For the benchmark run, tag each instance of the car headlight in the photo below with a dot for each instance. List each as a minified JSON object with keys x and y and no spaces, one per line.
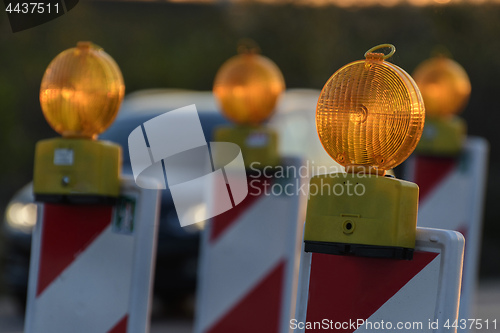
{"x":21,"y":216}
{"x":196,"y":213}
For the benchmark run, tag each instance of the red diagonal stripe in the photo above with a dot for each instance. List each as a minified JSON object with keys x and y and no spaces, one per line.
{"x":259,"y":310}
{"x":67,"y":231}
{"x":344,"y":288}
{"x":256,"y":188}
{"x":121,"y":326}
{"x":430,"y":171}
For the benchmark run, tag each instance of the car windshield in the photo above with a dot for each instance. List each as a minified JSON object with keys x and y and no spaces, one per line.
{"x":122,"y":127}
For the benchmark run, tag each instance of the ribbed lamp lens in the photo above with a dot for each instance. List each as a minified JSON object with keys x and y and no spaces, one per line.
{"x":445,"y":86}
{"x":370,"y":114}
{"x":247,"y":87}
{"x":81,"y":91}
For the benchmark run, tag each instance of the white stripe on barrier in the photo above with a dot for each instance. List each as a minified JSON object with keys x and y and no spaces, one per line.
{"x":456,"y":203}
{"x":402,"y":302}
{"x":82,"y":307}
{"x":252,"y":263}
{"x":440,"y":206}
{"x":431,"y":294}
{"x":249,"y":254}
{"x":107,"y":286}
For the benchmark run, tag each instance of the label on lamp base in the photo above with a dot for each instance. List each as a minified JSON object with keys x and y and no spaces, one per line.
{"x":63,"y":156}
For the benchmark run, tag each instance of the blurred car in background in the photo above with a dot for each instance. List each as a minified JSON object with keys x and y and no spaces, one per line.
{"x":177,"y":253}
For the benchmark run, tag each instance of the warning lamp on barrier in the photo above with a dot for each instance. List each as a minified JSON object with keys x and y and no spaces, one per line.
{"x":80,"y":95}
{"x":369,"y":118}
{"x":247,"y":87}
{"x":445,"y":88}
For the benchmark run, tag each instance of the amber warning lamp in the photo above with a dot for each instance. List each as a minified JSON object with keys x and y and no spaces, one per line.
{"x":369,"y":118}
{"x":80,"y":95}
{"x":247,"y":88}
{"x":445,"y":88}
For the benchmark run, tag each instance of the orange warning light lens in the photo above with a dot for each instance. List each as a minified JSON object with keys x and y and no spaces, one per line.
{"x":247,"y":87}
{"x":444,"y":84}
{"x":370,"y":114}
{"x":81,"y":91}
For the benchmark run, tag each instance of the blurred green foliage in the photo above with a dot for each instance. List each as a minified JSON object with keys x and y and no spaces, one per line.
{"x":161,"y":44}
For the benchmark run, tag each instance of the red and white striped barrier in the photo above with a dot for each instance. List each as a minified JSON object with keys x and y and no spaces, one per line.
{"x":91,"y":265}
{"x":249,"y":259}
{"x":452,"y":193}
{"x":357,"y":294}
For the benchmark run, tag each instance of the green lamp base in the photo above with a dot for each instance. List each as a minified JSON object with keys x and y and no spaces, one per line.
{"x":76,"y":171}
{"x":442,"y":137}
{"x":361,"y":214}
{"x":259,"y":144}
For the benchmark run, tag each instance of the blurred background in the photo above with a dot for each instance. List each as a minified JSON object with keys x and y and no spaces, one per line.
{"x":181,"y":44}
